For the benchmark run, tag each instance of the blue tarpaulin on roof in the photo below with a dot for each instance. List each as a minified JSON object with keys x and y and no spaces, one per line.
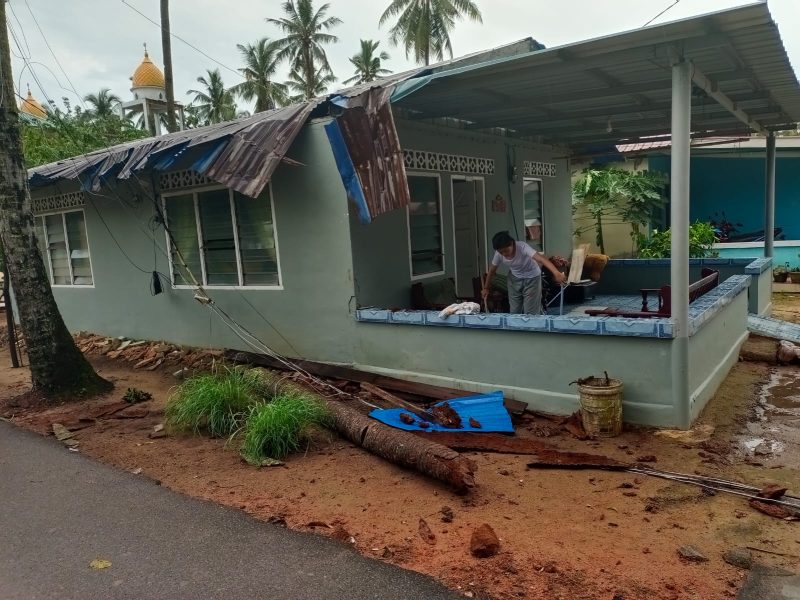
{"x":486,"y":409}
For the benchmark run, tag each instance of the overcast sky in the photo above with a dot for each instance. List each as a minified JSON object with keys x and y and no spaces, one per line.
{"x":99,"y":42}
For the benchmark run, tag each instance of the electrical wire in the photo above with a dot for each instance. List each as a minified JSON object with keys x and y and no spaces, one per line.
{"x":661,"y":13}
{"x":200,"y":293}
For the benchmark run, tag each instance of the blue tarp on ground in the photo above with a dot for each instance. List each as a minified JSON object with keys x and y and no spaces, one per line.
{"x":487,"y":409}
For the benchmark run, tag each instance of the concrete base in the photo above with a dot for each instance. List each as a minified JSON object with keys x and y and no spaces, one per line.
{"x":786,"y":288}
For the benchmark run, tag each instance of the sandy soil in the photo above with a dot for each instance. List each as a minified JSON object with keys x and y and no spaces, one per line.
{"x":786,"y":307}
{"x":565,"y":534}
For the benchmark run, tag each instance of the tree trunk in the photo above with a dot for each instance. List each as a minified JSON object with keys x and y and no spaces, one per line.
{"x":166,"y":48}
{"x":600,"y":240}
{"x":10,"y":333}
{"x":403,"y":448}
{"x":57,"y":366}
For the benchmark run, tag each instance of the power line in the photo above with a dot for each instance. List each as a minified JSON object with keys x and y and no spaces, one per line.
{"x":661,"y":13}
{"x":179,"y":38}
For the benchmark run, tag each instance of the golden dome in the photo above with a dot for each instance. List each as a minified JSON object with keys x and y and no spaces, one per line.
{"x":32,"y":107}
{"x":147,"y":74}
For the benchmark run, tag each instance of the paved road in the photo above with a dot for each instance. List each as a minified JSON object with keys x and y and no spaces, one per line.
{"x":60,"y":510}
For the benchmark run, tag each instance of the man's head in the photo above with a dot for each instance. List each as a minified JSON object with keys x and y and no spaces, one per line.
{"x":504,"y":244}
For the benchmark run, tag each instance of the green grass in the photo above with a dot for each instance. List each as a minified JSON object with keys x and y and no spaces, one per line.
{"x":218,"y":402}
{"x":277,"y":428}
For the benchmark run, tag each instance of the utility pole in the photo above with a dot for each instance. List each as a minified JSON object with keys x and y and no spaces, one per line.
{"x":57,"y":366}
{"x":166,"y":49}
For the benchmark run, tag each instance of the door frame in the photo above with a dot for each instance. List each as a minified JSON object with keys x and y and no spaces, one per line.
{"x":480,"y":224}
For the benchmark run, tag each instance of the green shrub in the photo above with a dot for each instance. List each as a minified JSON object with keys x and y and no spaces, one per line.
{"x":277,"y":428}
{"x":701,"y":242}
{"x":217,"y":402}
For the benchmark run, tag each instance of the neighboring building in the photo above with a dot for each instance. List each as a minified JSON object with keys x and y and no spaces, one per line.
{"x":31,"y":110}
{"x":149,"y":96}
{"x":304,"y":228}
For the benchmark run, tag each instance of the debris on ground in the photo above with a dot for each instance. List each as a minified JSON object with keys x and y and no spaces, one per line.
{"x":788,"y":353}
{"x":573,"y":424}
{"x":407,"y":418}
{"x":446,"y":416}
{"x":135,"y":395}
{"x":64,"y":435}
{"x":484,"y":542}
{"x":100,"y":563}
{"x":696,"y":435}
{"x":447,"y":514}
{"x":473,"y":422}
{"x":741,"y":558}
{"x":772,"y":491}
{"x":260,"y":462}
{"x":425,"y":532}
{"x":341,"y":534}
{"x":647,"y":458}
{"x":692,"y":554}
{"x":774,"y":510}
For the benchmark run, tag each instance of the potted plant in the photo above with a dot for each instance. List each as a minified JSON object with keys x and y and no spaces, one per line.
{"x":780,"y":274}
{"x":794,"y":274}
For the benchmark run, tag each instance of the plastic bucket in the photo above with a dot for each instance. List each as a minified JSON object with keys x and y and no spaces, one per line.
{"x":601,"y":406}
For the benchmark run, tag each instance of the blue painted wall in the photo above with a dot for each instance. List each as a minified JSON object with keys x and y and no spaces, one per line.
{"x":736,"y":185}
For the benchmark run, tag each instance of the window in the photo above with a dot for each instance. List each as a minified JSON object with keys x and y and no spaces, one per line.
{"x":425,"y":225}
{"x":222,"y":238}
{"x":64,"y":246}
{"x":534,"y":222}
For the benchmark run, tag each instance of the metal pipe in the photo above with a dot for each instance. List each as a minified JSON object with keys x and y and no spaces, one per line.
{"x":769,"y":199}
{"x":679,"y":251}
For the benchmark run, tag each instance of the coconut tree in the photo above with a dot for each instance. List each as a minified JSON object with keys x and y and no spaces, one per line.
{"x":214,"y":103}
{"x":423,"y":26}
{"x":103,"y":102}
{"x":303,"y":43}
{"x":368,"y":66}
{"x":303,"y":89}
{"x":260,"y":64}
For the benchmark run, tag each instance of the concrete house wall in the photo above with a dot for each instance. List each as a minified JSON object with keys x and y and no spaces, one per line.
{"x":309,"y":317}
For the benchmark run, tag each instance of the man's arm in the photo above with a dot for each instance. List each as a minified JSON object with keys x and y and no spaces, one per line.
{"x":488,"y":281}
{"x":560,"y":278}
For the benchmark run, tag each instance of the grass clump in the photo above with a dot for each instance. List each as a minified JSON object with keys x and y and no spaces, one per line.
{"x":216,"y":402}
{"x":279,"y":427}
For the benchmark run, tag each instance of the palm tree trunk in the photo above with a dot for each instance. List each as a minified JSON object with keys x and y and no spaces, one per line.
{"x":166,"y":47}
{"x":57,"y":366}
{"x":310,"y":72}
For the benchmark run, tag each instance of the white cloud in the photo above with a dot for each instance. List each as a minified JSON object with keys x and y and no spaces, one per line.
{"x":99,"y":43}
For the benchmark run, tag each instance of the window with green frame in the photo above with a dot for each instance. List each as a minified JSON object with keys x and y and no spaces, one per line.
{"x":425,"y":225}
{"x":220,"y":237}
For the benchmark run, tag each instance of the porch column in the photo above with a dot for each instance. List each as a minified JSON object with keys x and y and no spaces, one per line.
{"x":679,"y":223}
{"x":146,"y":115}
{"x":769,"y":199}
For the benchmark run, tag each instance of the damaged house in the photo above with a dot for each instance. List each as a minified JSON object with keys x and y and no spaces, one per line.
{"x":305,"y":228}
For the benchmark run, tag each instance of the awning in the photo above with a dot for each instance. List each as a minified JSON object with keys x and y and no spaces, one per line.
{"x":617,"y":88}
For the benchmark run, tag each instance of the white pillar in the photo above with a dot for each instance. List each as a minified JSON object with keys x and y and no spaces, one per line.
{"x":769,"y":199}
{"x":679,"y":223}
{"x":183,"y":120}
{"x":157,"y":123}
{"x":146,"y":115}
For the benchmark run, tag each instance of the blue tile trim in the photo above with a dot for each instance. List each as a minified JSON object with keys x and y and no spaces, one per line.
{"x":492,"y":321}
{"x":433,"y":318}
{"x":373,"y":315}
{"x":758,"y":266}
{"x":704,"y":308}
{"x":661,"y":262}
{"x":409,"y":317}
{"x":527,"y":322}
{"x":631,"y":327}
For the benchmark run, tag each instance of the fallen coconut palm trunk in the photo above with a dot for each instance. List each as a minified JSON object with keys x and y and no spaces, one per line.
{"x":403,"y":448}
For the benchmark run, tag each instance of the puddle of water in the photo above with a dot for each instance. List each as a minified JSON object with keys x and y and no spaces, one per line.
{"x":774,"y":427}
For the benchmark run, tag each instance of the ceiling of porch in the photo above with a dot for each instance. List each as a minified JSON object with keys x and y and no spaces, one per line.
{"x":618,"y":88}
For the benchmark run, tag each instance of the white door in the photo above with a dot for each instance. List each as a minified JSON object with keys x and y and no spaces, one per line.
{"x":468,"y":233}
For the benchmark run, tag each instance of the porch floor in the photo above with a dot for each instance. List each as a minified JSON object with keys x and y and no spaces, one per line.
{"x":617,"y":302}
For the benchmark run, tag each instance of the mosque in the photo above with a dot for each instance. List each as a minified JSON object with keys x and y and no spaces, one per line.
{"x":149,"y":99}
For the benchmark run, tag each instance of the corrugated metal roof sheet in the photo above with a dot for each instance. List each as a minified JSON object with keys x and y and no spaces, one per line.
{"x":618,"y":88}
{"x":252,"y":149}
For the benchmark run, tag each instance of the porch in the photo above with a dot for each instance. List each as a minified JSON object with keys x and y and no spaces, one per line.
{"x":679,"y":80}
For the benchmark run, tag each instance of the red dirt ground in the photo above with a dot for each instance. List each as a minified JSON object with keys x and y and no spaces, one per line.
{"x":564,"y":534}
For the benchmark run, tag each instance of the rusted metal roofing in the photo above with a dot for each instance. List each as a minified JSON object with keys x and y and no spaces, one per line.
{"x":240,"y":154}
